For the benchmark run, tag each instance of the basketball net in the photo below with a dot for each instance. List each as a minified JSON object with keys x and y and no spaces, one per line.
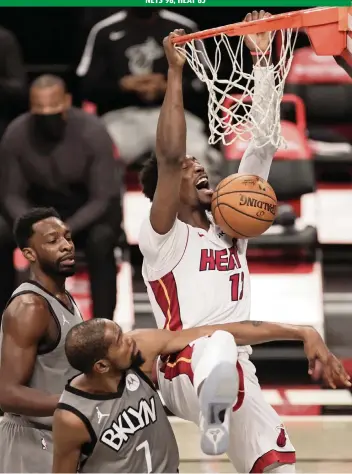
{"x":255,"y":110}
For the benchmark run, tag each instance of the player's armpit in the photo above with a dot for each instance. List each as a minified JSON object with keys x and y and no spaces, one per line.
{"x":69,"y":435}
{"x":163,"y":252}
{"x":25,"y":323}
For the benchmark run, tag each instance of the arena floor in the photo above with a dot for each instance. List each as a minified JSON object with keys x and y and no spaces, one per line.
{"x":323,"y":444}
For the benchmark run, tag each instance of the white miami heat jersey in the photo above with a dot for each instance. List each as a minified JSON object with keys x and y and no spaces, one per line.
{"x":195,"y":277}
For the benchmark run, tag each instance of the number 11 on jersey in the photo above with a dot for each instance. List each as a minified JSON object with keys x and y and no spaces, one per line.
{"x":237,"y":284}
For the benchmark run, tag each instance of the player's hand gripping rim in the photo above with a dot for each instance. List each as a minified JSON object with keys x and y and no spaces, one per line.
{"x":259,"y":41}
{"x":174,"y":53}
{"x":333,"y":371}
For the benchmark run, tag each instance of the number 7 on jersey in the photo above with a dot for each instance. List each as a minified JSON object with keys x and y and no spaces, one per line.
{"x":237,"y":284}
{"x":148,"y":458}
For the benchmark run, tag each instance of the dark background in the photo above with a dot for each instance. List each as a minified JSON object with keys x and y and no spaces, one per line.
{"x":52,"y":38}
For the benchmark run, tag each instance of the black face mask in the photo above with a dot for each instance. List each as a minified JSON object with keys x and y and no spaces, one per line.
{"x":51,"y":126}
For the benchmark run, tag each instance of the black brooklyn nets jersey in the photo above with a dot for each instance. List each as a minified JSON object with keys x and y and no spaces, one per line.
{"x":129,"y":429}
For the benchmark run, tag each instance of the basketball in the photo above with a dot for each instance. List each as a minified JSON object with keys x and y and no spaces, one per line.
{"x":244,"y":205}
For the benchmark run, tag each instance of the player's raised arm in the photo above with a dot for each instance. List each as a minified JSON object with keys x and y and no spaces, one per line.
{"x":69,"y":435}
{"x":170,"y":143}
{"x":25,"y":324}
{"x":257,"y":160}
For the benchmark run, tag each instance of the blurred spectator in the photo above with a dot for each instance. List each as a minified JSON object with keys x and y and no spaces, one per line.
{"x":7,"y":270}
{"x":57,"y":155}
{"x":123,"y":71}
{"x":13,"y":80}
{"x":13,"y":98}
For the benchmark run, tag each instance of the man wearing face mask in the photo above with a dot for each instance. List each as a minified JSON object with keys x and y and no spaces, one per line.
{"x":57,"y":155}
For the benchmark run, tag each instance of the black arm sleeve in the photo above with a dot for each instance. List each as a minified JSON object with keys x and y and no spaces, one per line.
{"x":104,"y":179}
{"x":13,"y":87}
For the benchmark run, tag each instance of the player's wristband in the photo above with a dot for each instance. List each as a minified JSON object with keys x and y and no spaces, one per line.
{"x":255,"y":53}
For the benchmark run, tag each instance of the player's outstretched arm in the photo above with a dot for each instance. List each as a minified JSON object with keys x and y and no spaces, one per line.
{"x":257,"y":159}
{"x":170,"y":143}
{"x":25,"y":323}
{"x":155,"y":342}
{"x":159,"y":341}
{"x":69,"y":435}
{"x":258,"y":332}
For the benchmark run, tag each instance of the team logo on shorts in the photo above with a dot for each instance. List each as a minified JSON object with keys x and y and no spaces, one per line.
{"x":282,"y":438}
{"x":44,"y":446}
{"x":132,"y":382}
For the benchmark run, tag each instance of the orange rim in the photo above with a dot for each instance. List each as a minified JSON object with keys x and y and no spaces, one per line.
{"x":313,"y":17}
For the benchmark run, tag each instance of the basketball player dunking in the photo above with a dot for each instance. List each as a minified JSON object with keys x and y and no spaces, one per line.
{"x":34,"y":367}
{"x":196,"y":275}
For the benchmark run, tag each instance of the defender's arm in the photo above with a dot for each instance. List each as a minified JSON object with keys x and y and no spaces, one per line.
{"x":160,"y":341}
{"x":154,"y":342}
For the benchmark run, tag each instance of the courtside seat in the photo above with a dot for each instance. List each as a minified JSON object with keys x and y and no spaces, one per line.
{"x":326,"y":90}
{"x":292,"y":177}
{"x":287,"y":237}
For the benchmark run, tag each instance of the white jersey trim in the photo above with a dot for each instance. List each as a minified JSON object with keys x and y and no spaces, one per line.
{"x":177,"y":18}
{"x":86,"y":59}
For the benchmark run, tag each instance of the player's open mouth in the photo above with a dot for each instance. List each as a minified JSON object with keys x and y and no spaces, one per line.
{"x":203,"y":184}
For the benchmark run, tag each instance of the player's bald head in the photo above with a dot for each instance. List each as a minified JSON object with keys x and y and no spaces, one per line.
{"x":88,"y":342}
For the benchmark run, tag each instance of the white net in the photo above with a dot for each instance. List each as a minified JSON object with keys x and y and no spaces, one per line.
{"x":255,"y":110}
